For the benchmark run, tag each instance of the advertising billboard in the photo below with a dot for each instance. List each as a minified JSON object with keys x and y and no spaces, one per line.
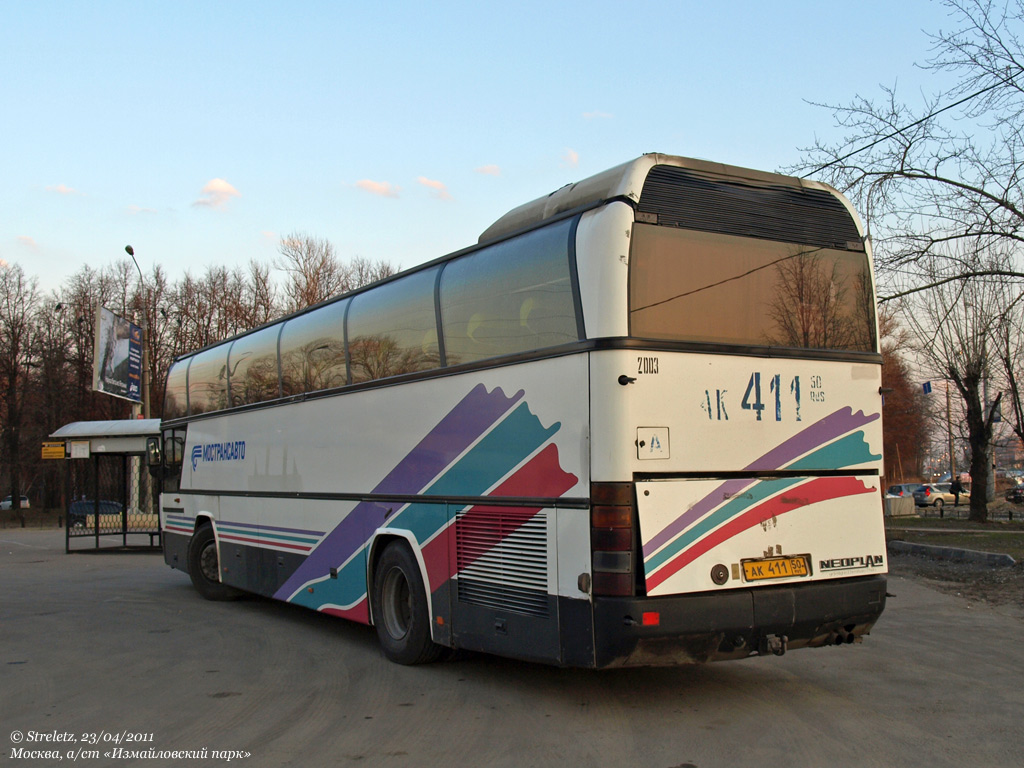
{"x":117,"y":357}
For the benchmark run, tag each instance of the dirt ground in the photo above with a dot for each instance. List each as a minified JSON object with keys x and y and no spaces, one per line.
{"x":976,"y":583}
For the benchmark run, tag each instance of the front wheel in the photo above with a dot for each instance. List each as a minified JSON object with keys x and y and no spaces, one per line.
{"x":204,"y":566}
{"x":400,"y":610}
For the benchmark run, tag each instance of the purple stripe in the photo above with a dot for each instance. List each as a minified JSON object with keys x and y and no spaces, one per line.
{"x":832,"y":426}
{"x":819,"y":433}
{"x":473,"y":415}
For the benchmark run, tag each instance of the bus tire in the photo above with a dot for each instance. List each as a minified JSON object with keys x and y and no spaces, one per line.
{"x":400,"y":611}
{"x":204,"y":566}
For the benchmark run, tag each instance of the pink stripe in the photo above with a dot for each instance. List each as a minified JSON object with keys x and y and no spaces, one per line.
{"x":231,"y":537}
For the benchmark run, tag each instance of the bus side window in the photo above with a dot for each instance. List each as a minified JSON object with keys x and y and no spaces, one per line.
{"x":392,"y":329}
{"x":511,"y":297}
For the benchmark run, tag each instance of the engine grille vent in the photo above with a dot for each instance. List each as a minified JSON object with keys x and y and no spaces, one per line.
{"x":692,"y":200}
{"x":502,"y":557}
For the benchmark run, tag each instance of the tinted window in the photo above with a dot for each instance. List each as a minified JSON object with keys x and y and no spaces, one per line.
{"x":313,"y":350}
{"x":512,"y":297}
{"x":252,"y":365}
{"x":392,"y":329}
{"x":208,"y":381}
{"x":176,"y":394}
{"x":699,"y":286}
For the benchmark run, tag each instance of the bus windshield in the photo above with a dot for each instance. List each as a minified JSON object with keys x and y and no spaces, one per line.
{"x":693,"y":286}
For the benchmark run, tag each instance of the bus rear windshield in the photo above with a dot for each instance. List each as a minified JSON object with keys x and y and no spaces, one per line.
{"x":703,"y":287}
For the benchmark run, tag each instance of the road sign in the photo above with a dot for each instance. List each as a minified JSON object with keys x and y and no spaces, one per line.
{"x":53,"y":450}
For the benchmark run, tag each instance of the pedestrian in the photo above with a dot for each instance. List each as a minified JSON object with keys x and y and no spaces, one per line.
{"x":956,"y":489}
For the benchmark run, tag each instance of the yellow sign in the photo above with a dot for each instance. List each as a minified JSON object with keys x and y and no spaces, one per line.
{"x":775,"y":568}
{"x":53,"y":450}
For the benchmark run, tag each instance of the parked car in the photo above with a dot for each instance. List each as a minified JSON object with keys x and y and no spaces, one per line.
{"x":80,"y":511}
{"x":938,"y":495}
{"x":1016,"y":494}
{"x":8,"y":504}
{"x":904,"y":490}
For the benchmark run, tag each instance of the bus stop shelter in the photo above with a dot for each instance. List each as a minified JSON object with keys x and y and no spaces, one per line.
{"x":111,"y":497}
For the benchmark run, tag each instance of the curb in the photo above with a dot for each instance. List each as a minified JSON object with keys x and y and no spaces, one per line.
{"x":991,"y":559}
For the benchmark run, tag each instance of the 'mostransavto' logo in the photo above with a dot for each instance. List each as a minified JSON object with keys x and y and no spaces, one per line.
{"x":231,"y":451}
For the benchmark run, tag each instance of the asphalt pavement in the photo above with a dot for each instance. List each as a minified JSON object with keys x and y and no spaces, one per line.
{"x":117,"y":652}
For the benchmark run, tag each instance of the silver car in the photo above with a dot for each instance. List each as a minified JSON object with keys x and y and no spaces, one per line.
{"x":938,"y":495}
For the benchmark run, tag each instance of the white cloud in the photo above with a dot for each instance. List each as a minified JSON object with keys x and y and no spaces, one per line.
{"x":269,"y":236}
{"x":4,"y":264}
{"x":440,"y":190}
{"x":63,"y":189}
{"x":571,"y":158}
{"x":489,"y":170}
{"x":28,"y":242}
{"x":137,"y":209}
{"x":216,"y":193}
{"x":597,"y":115}
{"x":379,"y":188}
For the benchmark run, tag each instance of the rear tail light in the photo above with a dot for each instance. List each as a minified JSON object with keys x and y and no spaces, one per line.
{"x":613,"y":539}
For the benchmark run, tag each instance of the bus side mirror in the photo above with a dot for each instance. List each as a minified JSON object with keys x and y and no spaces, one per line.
{"x":153,"y":457}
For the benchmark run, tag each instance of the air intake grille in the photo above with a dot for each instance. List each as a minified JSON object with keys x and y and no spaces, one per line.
{"x":503,"y":559}
{"x":692,"y":200}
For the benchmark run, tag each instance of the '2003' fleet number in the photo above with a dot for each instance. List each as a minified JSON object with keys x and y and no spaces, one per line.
{"x":646,"y":366}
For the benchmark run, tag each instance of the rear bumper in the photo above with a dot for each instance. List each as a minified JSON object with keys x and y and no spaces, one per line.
{"x":731,"y":624}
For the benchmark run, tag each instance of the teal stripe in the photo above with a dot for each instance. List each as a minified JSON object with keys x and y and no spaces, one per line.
{"x":846,"y":452}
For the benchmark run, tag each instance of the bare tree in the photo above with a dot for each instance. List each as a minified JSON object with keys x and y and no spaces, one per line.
{"x":954,"y":326}
{"x":947,"y":173}
{"x":314,"y":273}
{"x":941,"y":189}
{"x":362,"y":271}
{"x":19,"y":299}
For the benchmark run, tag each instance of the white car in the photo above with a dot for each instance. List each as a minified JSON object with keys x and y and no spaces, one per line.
{"x":6,"y":503}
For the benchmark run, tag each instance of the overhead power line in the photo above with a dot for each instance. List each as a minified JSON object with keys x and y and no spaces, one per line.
{"x":898,"y":131}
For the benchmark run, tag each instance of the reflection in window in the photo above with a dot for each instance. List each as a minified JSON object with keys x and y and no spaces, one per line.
{"x":176,"y":393}
{"x":252,"y":366}
{"x":313,"y":351}
{"x":511,"y":297}
{"x":698,"y":286}
{"x":392,"y":329}
{"x":208,"y":381}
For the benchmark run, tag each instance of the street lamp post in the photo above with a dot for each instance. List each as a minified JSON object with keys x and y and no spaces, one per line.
{"x":145,"y":336}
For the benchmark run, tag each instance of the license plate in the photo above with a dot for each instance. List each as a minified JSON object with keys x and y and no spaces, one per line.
{"x":776,"y":568}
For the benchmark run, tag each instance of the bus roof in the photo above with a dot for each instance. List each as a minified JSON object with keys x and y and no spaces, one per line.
{"x":624,"y":182}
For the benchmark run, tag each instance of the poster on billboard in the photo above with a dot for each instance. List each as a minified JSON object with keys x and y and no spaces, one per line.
{"x":117,"y":357}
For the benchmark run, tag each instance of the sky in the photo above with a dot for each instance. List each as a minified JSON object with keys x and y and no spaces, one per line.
{"x":203,"y":133}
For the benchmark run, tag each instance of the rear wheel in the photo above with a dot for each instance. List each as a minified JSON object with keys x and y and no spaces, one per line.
{"x":204,"y":566}
{"x":400,"y":610}
{"x":939,"y":503}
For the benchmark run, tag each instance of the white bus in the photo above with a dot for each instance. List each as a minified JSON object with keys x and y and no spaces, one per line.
{"x":637,"y":424}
